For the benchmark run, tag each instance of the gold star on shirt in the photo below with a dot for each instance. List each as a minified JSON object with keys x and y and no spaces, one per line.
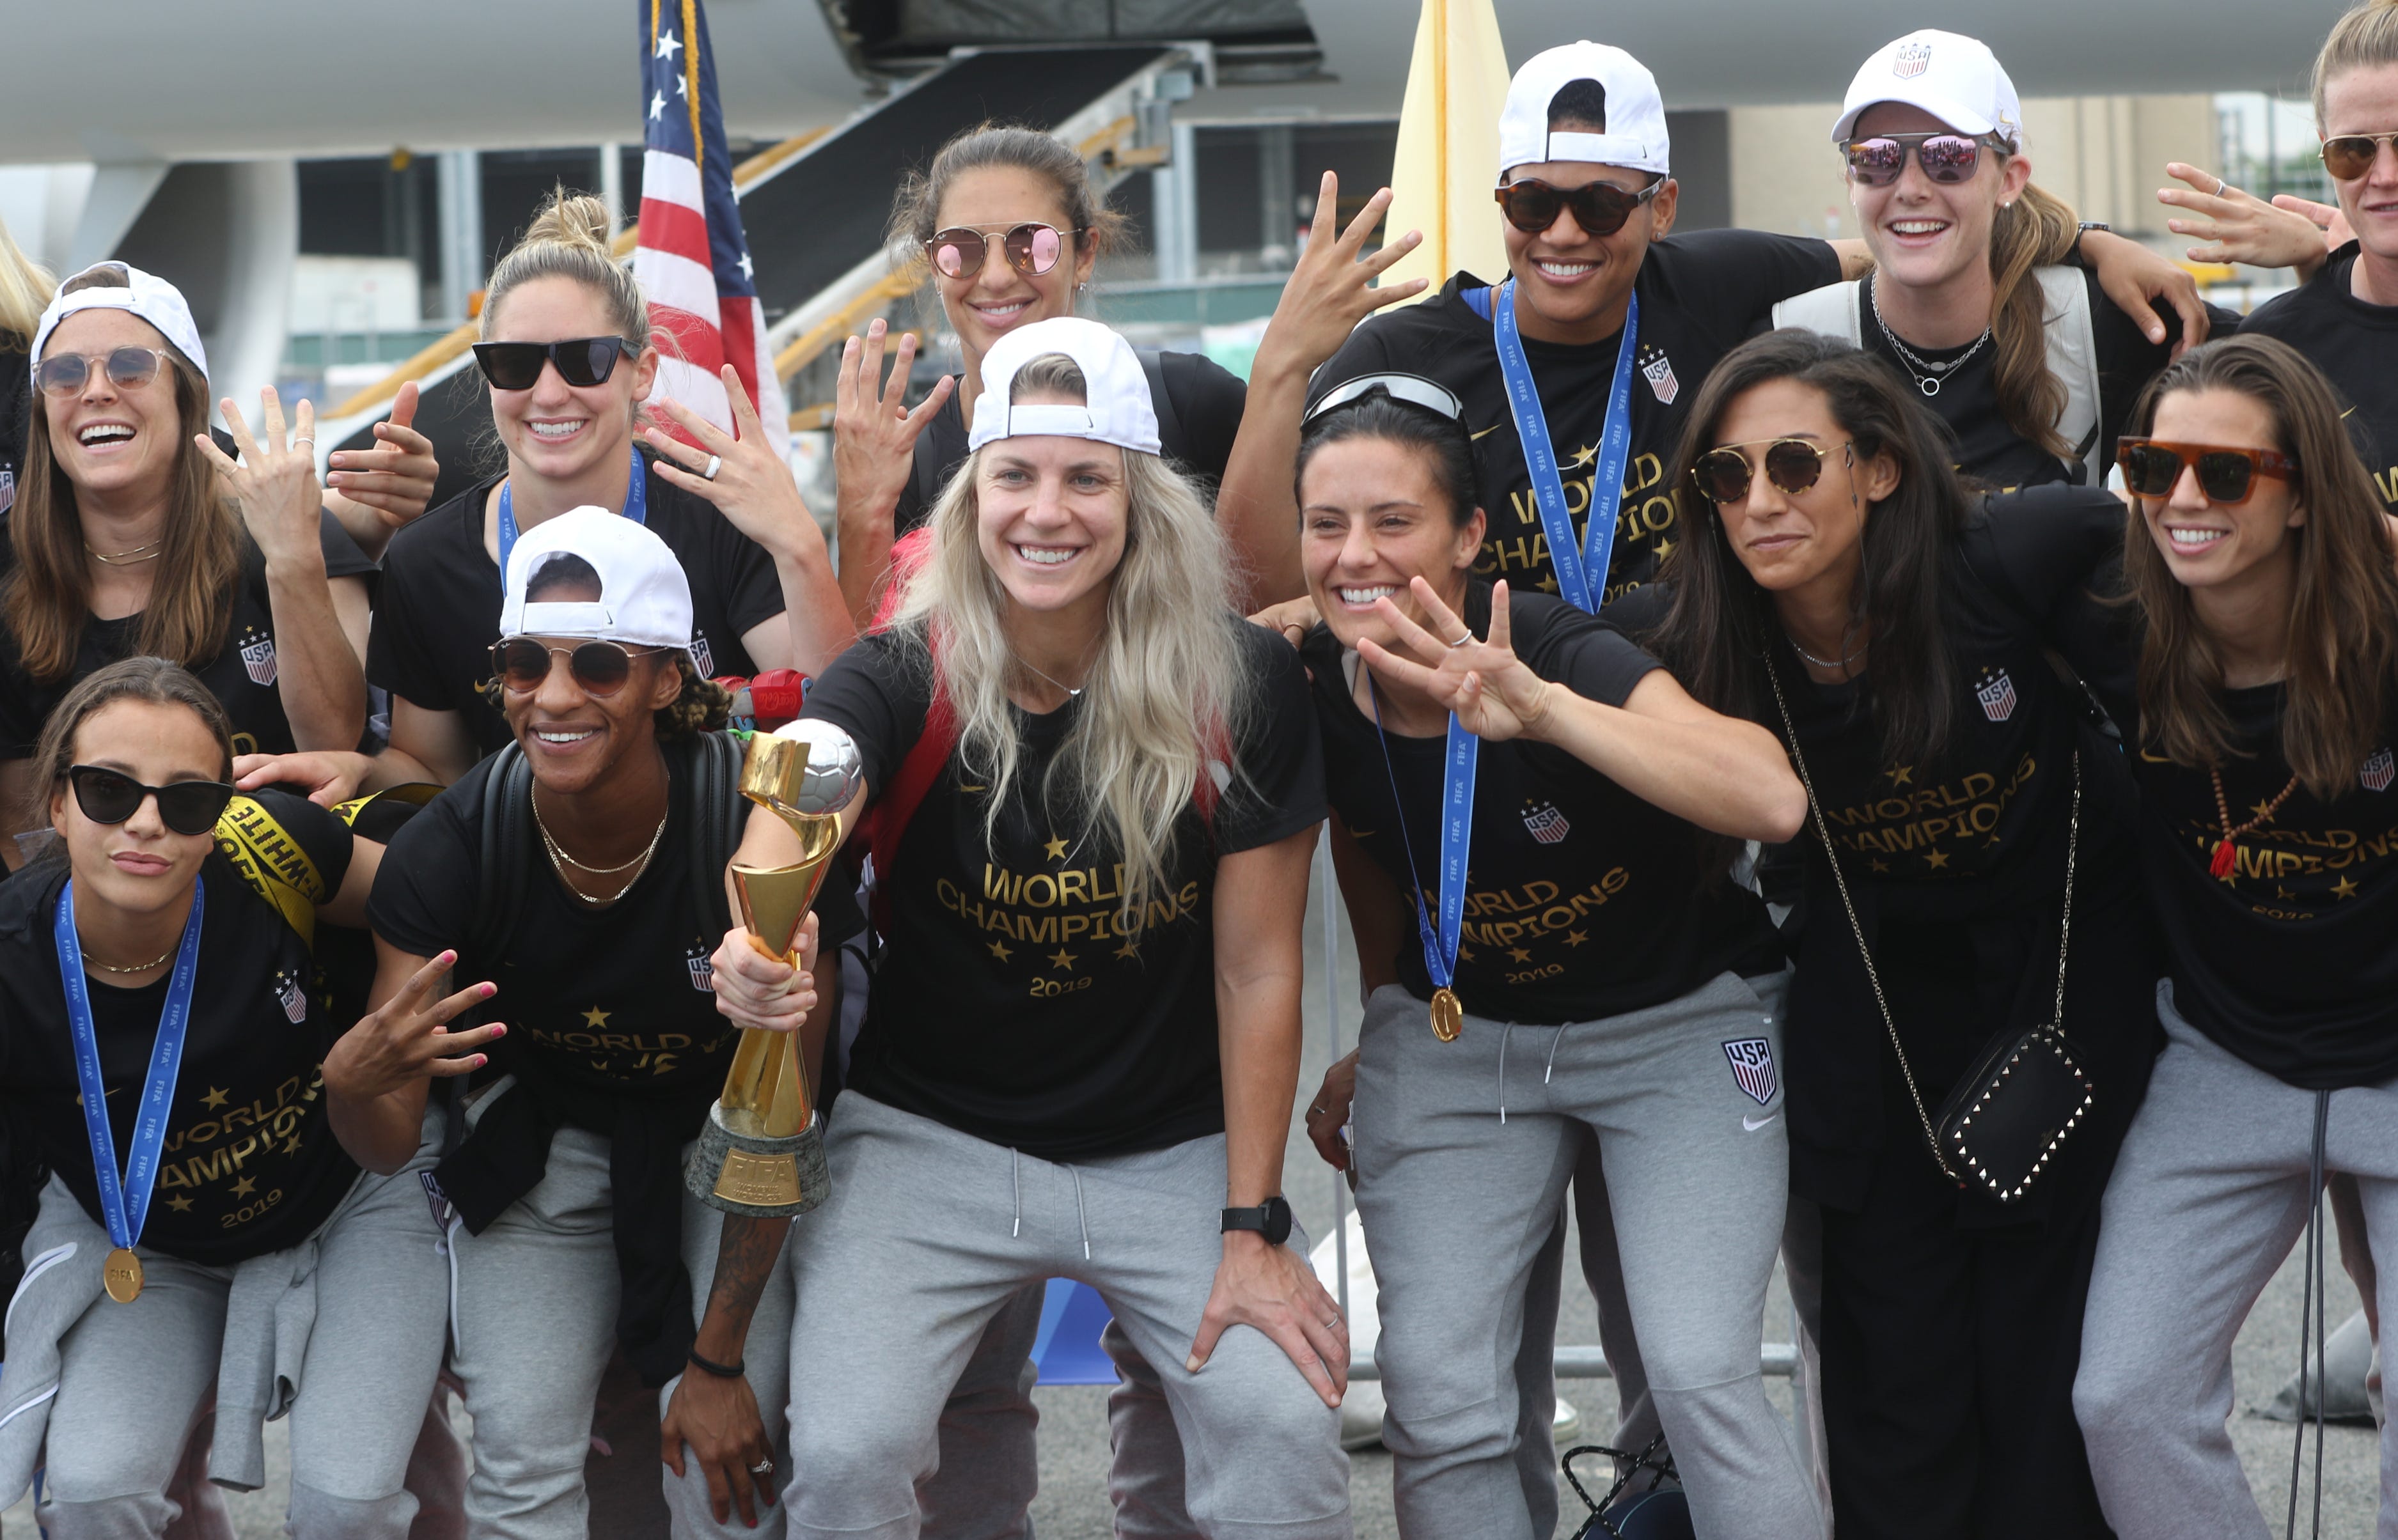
{"x":1575,"y":937}
{"x":999,"y":950}
{"x":1519,"y":954}
{"x":215,"y":1098}
{"x":2262,"y":810}
{"x":244,"y":1187}
{"x":180,"y":1203}
{"x":1465,"y":953}
{"x":1056,"y":847}
{"x":1129,"y":949}
{"x":292,"y":1145}
{"x":594,"y":1017}
{"x":1583,"y":456}
{"x":1937,"y":858}
{"x":1061,"y":959}
{"x":1548,"y":584}
{"x":1902,"y":775}
{"x":2344,"y":888}
{"x":1879,"y":865}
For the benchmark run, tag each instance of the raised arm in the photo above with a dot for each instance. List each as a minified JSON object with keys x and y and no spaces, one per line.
{"x":874,"y":438}
{"x":377,"y":1075}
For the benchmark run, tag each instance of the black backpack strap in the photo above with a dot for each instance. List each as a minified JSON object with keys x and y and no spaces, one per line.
{"x":718,"y":817}
{"x":1170,"y":421}
{"x":507,"y":847}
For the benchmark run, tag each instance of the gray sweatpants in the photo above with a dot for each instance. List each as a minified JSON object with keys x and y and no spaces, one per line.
{"x":136,"y":1379}
{"x":2208,"y":1195}
{"x":929,"y":1232}
{"x":1463,"y":1153}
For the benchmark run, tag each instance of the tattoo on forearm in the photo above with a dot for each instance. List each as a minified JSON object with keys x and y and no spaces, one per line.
{"x":745,"y":1255}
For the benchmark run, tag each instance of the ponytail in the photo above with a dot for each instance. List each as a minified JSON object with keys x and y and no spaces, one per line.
{"x":2364,"y":39}
{"x":2038,"y":229}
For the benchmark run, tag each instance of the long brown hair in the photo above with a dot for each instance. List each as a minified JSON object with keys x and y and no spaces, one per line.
{"x":2037,"y":229}
{"x":2341,"y":647}
{"x":158,"y":681}
{"x":47,"y":601}
{"x":1720,"y":626}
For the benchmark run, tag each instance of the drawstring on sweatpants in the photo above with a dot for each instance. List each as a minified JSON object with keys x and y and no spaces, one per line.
{"x":1079,"y":1217}
{"x":1560,"y":1037}
{"x":2310,"y":1307}
{"x":1505,"y":1031}
{"x":1015,"y":1182}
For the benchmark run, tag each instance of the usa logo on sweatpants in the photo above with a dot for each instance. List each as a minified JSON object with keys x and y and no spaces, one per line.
{"x":1752,"y":1066}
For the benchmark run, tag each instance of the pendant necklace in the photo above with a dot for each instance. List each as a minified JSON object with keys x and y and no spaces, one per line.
{"x":2225,"y":857}
{"x":1928,"y":376}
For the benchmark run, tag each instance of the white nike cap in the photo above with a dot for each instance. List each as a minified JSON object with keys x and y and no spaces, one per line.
{"x":1956,"y":79}
{"x":1634,"y":137}
{"x":1118,"y":409}
{"x":121,"y":286}
{"x":644,"y":597}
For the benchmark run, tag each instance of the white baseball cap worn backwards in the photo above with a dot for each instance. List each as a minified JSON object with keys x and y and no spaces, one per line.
{"x":1956,"y":79}
{"x":644,"y":597}
{"x":1117,"y":412}
{"x":126,"y":287}
{"x":1636,"y":137}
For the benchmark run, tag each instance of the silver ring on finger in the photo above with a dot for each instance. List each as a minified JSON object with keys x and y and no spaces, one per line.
{"x":2219,"y":185}
{"x":764,"y":1468}
{"x":715,"y":463}
{"x":304,"y":439}
{"x":1460,"y":641}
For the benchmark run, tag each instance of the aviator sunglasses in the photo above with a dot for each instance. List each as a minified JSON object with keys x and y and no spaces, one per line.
{"x":112,"y":796}
{"x":128,"y":369}
{"x":1793,"y":464}
{"x":600,"y":668}
{"x":2151,"y":467}
{"x":1599,"y":207}
{"x":581,"y":361}
{"x":1031,"y":248}
{"x":2348,"y":156}
{"x":1948,"y":158}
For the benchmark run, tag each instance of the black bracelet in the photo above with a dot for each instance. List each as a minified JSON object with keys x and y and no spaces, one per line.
{"x":722,"y":1372}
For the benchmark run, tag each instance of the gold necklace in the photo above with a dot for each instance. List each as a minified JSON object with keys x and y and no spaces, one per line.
{"x":134,"y":558}
{"x":559,"y":860}
{"x":137,"y":968}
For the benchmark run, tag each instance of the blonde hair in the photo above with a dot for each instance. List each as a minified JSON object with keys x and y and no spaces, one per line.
{"x":25,"y":290}
{"x":569,"y":238}
{"x":2038,"y":229}
{"x":1166,"y":695}
{"x":2365,"y":38}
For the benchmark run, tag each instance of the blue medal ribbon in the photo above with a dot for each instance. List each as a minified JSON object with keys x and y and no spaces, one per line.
{"x":1580,"y":568}
{"x":1455,"y":846}
{"x":125,"y":1206}
{"x":637,"y":508}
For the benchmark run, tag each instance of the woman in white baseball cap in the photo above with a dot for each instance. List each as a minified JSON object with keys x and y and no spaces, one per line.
{"x":133,"y":532}
{"x":1091,"y":794}
{"x":580,"y":872}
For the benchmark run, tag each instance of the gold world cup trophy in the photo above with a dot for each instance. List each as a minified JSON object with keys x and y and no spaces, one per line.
{"x":762,"y":1152}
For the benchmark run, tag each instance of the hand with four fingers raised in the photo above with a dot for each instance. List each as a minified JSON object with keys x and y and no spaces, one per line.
{"x":274,"y":484}
{"x":1332,"y":286}
{"x":378,"y":1071}
{"x":1494,"y":693}
{"x":752,"y":485}
{"x":2232,"y":225}
{"x":874,"y":435}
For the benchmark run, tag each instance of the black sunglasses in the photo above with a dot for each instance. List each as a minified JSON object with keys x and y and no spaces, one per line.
{"x":1031,"y":248}
{"x":1793,"y":464}
{"x":600,"y":668}
{"x":580,"y":360}
{"x":1945,"y":157}
{"x":2152,"y":466}
{"x":1599,"y":207}
{"x":112,"y":796}
{"x":128,"y":368}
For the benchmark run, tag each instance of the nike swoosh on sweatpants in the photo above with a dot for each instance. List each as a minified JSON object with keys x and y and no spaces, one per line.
{"x":1752,"y":1125}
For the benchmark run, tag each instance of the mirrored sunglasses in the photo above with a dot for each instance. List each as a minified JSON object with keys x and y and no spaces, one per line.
{"x":1031,"y":248}
{"x":1947,"y":158}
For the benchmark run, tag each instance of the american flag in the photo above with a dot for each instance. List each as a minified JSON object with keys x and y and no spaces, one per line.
{"x":693,"y":260}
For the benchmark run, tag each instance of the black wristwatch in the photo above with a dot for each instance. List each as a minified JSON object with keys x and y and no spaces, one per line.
{"x":2078,"y":259}
{"x":1270,"y":1219}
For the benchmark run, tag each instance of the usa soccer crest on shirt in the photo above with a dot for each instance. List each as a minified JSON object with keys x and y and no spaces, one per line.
{"x":1996,"y":690}
{"x":701,"y":658}
{"x":1546,"y":822}
{"x":295,"y":998}
{"x":703,"y":970}
{"x":2377,"y":770}
{"x":1658,"y":370}
{"x":258,"y":655}
{"x":1752,"y":1066}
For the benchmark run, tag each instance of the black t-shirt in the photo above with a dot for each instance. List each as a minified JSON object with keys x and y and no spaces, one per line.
{"x":250,"y":1164}
{"x":439,"y":612}
{"x":1987,"y":446}
{"x":1010,"y":1001}
{"x":1196,"y":426}
{"x":2355,"y":345}
{"x":617,"y":1000}
{"x":241,"y":675}
{"x":1581,"y":899}
{"x":16,"y":412}
{"x":1699,"y":296}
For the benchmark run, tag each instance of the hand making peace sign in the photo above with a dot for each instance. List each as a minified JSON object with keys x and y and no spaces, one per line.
{"x":1494,"y":693}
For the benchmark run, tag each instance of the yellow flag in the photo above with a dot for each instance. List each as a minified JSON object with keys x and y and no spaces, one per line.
{"x":1448,"y":158}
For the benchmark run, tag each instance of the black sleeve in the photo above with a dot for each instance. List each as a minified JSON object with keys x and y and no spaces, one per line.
{"x":1208,"y":399}
{"x":1367,"y":351}
{"x":397,"y":657}
{"x":1278,"y":788}
{"x":2040,"y":548}
{"x":424,"y":890}
{"x":21,"y":716}
{"x":2127,"y":360}
{"x":1744,"y":273}
{"x":342,"y":558}
{"x":876,"y":692}
{"x":1587,"y":655}
{"x":319,"y":833}
{"x":746,"y":587}
{"x":839,"y":918}
{"x":1641,"y":611}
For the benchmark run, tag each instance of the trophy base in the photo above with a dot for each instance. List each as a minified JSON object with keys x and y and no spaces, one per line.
{"x":755,"y":1176}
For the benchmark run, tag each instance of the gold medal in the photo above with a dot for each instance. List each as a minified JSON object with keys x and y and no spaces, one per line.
{"x":123,"y":1275}
{"x":1447,"y":1018}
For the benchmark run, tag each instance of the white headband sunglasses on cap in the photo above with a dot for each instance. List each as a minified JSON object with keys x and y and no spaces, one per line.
{"x":121,"y":286}
{"x":1413,"y":389}
{"x":1116,"y":409}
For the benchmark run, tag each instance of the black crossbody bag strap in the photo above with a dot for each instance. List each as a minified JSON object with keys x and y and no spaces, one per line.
{"x":1170,"y":421}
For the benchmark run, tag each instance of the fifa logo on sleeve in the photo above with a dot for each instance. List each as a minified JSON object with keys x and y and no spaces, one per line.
{"x":1546,"y":822}
{"x":2377,"y":770}
{"x":1911,"y":60}
{"x":703,"y":969}
{"x":258,"y":655}
{"x":1752,"y":1066}
{"x":1997,"y":693}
